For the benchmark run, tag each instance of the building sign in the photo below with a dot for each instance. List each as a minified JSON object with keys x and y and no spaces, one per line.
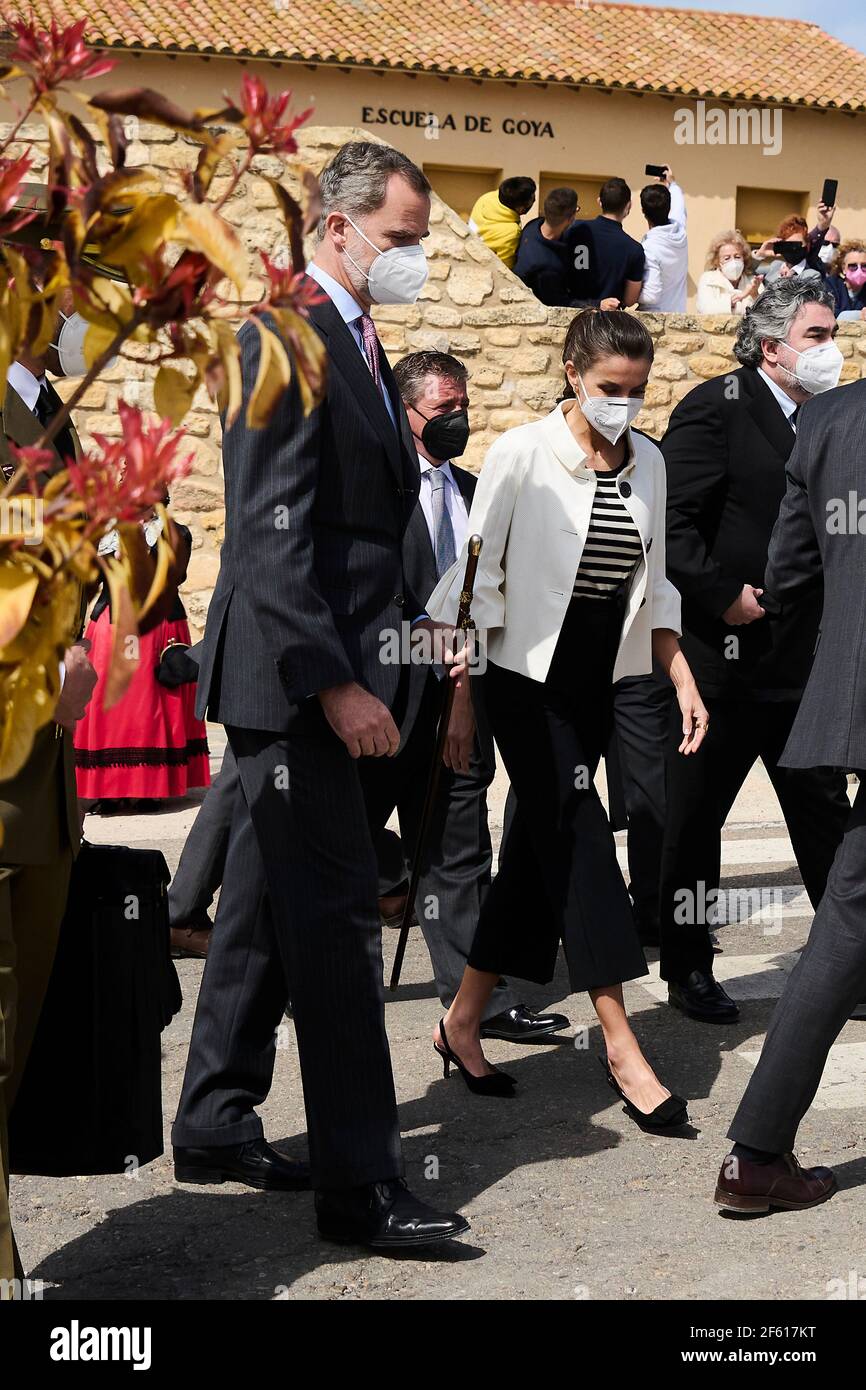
{"x":430,"y":122}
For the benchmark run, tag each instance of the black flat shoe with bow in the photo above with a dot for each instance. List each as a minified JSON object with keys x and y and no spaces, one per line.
{"x":671,"y":1114}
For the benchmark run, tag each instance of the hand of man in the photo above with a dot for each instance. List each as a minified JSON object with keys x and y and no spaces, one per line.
{"x":668,"y":176}
{"x":746,"y":608}
{"x":78,"y":685}
{"x":611,"y":302}
{"x":461,"y":731}
{"x":361,"y":720}
{"x":825,"y":217}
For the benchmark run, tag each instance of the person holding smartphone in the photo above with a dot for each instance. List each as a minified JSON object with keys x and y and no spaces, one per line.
{"x":794,"y":251}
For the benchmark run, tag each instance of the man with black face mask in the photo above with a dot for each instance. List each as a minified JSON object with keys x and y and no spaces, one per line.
{"x":459,"y":856}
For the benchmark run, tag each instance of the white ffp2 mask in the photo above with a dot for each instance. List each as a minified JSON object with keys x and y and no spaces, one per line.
{"x":819,"y":367}
{"x":396,"y":276}
{"x":610,"y":415}
{"x":70,"y":345}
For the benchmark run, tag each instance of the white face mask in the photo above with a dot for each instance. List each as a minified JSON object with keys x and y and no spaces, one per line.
{"x":396,"y":276}
{"x":819,"y":367}
{"x":733,"y":269}
{"x":826,"y":253}
{"x":152,"y":530}
{"x":70,"y":345}
{"x":610,"y":415}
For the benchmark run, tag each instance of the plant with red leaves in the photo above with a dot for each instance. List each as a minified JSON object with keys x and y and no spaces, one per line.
{"x":287,"y":288}
{"x":150,"y":266}
{"x":127,"y":476}
{"x":12,"y":174}
{"x":55,"y":55}
{"x":261,"y":117}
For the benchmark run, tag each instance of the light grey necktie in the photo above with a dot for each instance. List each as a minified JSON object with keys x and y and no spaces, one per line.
{"x":443,"y":531}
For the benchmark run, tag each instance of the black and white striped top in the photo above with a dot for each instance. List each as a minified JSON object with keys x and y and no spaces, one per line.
{"x":613,"y":545}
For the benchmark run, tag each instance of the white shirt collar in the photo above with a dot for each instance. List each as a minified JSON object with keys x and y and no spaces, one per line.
{"x":22,"y":380}
{"x":345,"y":303}
{"x":444,"y":467}
{"x":785,"y":403}
{"x":566,"y":447}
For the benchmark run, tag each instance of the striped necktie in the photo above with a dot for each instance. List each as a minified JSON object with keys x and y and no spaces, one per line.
{"x":443,"y":531}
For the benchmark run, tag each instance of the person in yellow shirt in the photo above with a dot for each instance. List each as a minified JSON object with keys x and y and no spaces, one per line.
{"x":496,"y":216}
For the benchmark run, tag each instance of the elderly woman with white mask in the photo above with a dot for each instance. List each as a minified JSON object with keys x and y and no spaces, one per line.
{"x":727,"y":286}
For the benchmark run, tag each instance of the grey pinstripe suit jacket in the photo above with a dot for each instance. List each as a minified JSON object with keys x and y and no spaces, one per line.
{"x":311,"y":570}
{"x":826,"y":477}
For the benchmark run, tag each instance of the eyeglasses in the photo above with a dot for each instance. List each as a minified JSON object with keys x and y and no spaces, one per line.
{"x":856,"y":265}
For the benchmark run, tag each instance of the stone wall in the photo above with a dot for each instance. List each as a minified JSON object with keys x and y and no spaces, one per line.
{"x":472,"y":306}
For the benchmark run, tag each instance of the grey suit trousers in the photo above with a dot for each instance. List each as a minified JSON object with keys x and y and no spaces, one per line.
{"x":202,"y":862}
{"x":456,"y":870}
{"x":825,"y":984}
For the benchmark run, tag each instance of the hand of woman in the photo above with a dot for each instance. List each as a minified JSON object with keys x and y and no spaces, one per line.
{"x":696,"y":719}
{"x":461,"y":730}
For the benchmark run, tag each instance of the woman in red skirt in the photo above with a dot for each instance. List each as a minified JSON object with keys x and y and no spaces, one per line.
{"x":149,"y":745}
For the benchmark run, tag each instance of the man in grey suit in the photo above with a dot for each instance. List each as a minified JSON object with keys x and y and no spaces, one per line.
{"x":293,"y":665}
{"x":459,"y":856}
{"x":820,"y":534}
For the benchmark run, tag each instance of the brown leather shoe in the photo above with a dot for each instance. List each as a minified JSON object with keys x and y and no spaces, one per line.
{"x":745,"y":1186}
{"x":391,"y":911}
{"x":189,"y":941}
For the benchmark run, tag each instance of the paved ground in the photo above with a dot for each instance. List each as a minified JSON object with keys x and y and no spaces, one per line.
{"x":567,"y":1199}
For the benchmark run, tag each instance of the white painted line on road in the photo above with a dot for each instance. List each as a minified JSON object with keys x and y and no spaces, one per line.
{"x":761,"y":976}
{"x":843,"y":1085}
{"x":773,"y":851}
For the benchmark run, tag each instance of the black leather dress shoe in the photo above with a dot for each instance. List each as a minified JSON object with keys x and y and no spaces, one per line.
{"x":384,"y":1216}
{"x":520,"y":1024}
{"x":254,"y":1163}
{"x":702,"y":997}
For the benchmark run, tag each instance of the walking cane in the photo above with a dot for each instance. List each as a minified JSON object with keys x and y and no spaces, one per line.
{"x":464,"y":623}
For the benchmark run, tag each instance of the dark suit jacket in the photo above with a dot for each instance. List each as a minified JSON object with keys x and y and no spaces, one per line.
{"x":38,"y":807}
{"x":725,"y":451}
{"x":818,"y":541}
{"x":421,"y":575}
{"x":312,"y":570}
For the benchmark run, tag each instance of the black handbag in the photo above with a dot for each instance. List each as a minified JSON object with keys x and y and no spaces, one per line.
{"x":175,"y":666}
{"x":91,"y":1095}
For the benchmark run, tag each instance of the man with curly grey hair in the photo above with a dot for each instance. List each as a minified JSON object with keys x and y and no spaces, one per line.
{"x":726,"y":450}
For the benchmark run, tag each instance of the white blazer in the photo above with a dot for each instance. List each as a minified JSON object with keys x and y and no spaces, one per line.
{"x":531,"y":508}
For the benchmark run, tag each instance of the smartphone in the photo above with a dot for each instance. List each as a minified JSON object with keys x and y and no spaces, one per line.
{"x":828,"y":196}
{"x":655,"y":171}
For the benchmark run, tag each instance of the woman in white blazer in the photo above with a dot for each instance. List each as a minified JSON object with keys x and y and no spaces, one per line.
{"x":571,"y":594}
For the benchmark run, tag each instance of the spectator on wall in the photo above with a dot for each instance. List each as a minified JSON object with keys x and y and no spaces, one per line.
{"x":666,"y":247}
{"x":544,"y":256}
{"x":727,"y":286}
{"x":773,"y":266}
{"x":496,"y":216}
{"x":847,"y":280}
{"x":608,"y":263}
{"x":826,"y":242}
